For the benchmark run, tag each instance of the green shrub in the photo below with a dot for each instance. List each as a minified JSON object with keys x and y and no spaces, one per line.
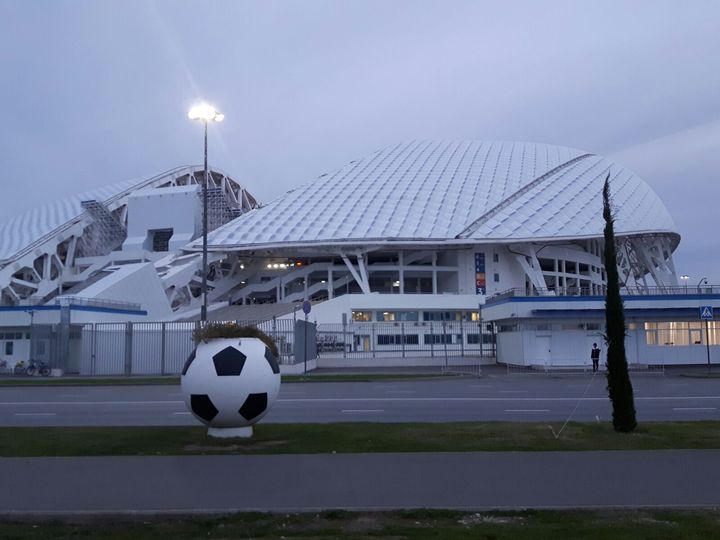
{"x":233,"y":330}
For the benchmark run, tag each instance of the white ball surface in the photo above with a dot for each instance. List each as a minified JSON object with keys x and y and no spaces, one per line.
{"x":230,"y":382}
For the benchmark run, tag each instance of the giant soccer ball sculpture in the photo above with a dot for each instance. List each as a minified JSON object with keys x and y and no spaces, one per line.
{"x":229,"y":384}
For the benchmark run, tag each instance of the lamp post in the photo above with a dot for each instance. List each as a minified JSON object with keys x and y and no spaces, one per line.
{"x":205,"y":113}
{"x":703,"y":280}
{"x":684,"y":279}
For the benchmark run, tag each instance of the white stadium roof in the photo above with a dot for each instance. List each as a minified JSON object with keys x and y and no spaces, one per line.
{"x":24,"y":231}
{"x":461,"y":190}
{"x":26,"y":228}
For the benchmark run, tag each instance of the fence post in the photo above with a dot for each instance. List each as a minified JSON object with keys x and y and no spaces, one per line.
{"x":462,"y":339}
{"x":128,"y":347}
{"x":344,"y":340}
{"x":432,"y":340}
{"x":402,"y":338}
{"x":372,"y":338}
{"x":93,"y":349}
{"x":162,"y":349}
{"x":444,"y":340}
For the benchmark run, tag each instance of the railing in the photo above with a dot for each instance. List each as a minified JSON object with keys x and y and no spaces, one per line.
{"x":106,"y":349}
{"x":96,"y":302}
{"x":587,"y":291}
{"x":420,"y":339}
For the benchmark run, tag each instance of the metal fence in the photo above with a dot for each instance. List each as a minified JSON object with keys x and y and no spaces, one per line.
{"x":105,"y":349}
{"x":406,"y":340}
{"x":156,"y":348}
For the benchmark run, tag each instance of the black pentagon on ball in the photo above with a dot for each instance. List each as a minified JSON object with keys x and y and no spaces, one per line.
{"x":188,"y":362}
{"x":229,"y":362}
{"x":272,"y":361}
{"x":203,"y":407}
{"x":254,"y":405}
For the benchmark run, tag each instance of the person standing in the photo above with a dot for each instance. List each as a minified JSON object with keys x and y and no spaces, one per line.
{"x":595,"y":356}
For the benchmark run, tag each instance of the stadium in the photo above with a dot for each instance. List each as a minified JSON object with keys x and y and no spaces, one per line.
{"x":415,"y":232}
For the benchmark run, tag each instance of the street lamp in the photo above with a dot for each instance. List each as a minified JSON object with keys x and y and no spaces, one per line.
{"x":703,"y":280}
{"x":204,"y":113}
{"x":685,"y":278}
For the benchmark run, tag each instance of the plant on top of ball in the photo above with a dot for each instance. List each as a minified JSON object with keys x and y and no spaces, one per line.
{"x":233,"y":330}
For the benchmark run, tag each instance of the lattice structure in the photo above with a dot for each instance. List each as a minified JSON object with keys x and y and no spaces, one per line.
{"x":105,"y":234}
{"x":219,"y":210}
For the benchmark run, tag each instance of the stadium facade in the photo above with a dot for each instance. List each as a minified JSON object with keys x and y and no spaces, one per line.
{"x":419,"y":231}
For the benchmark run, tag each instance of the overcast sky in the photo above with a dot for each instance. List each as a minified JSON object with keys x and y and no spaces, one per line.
{"x":96,"y":92}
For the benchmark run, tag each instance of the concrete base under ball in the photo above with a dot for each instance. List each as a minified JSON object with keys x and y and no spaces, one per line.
{"x":231,"y":432}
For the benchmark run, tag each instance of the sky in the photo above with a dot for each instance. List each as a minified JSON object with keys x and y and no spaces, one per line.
{"x":97,"y":91}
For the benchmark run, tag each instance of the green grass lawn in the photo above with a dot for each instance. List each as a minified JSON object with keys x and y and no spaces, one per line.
{"x":354,"y":437}
{"x":418,"y":524}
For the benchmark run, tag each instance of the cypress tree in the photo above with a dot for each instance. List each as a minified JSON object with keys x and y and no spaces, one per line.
{"x":619,"y":386}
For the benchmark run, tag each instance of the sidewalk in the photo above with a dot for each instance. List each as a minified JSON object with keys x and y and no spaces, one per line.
{"x":474,"y":480}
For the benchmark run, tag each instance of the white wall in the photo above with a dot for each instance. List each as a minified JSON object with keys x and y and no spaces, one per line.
{"x":176,"y":208}
{"x":331,"y":311}
{"x":137,"y":283}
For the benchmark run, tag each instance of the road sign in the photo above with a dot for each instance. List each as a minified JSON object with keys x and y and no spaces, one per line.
{"x":307,"y":305}
{"x":706,"y":313}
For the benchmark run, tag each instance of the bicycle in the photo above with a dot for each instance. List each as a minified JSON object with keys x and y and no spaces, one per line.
{"x":41,"y":368}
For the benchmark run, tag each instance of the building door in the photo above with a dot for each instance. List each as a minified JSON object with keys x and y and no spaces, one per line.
{"x":542,"y":349}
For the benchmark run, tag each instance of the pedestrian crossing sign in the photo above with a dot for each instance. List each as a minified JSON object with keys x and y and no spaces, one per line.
{"x":706,"y":313}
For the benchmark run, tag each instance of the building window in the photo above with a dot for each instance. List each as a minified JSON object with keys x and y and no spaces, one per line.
{"x":161,"y":239}
{"x":496,"y":258}
{"x":507,"y":328}
{"x":442,"y":315}
{"x":362,"y":316}
{"x":496,"y":277}
{"x":438,"y":339}
{"x":680,"y":333}
{"x":396,"y":316}
{"x":9,"y":345}
{"x":397,"y":339}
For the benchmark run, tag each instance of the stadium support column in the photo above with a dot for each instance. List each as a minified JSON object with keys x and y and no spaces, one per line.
{"x":361,"y":280}
{"x":401,"y":262}
{"x":434,"y":272}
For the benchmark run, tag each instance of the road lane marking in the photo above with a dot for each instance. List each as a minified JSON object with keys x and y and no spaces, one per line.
{"x":55,"y":403}
{"x":340,"y":400}
{"x":183,"y":413}
{"x":527,"y":410}
{"x":695,"y":409}
{"x":362,"y":410}
{"x":35,"y":414}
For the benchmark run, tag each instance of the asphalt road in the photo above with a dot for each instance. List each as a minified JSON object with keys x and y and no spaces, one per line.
{"x":474,"y":480}
{"x":497,"y":397}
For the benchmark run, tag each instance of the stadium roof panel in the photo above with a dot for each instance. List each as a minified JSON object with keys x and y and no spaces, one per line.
{"x":453,"y":190}
{"x":22,"y":230}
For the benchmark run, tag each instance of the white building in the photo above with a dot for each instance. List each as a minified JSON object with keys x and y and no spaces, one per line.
{"x":419,"y":231}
